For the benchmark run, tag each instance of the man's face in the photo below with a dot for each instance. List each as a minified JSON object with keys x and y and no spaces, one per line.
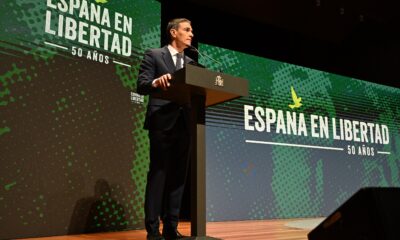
{"x":183,"y":35}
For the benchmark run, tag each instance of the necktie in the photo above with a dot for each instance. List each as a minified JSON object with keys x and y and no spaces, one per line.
{"x":178,"y":61}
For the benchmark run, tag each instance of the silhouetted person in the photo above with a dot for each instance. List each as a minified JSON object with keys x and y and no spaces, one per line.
{"x":99,"y":213}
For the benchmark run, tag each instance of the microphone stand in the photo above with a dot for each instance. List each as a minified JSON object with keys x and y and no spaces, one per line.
{"x":206,"y":56}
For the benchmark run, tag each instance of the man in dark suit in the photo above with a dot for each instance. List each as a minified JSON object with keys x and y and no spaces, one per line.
{"x":169,"y":132}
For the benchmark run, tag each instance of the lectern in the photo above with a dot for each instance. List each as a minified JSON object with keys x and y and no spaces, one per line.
{"x":201,"y":88}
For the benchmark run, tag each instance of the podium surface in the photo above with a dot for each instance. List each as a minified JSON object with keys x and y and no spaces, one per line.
{"x":215,"y":86}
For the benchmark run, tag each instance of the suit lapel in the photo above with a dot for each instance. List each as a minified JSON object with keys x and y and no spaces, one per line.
{"x":168,"y":59}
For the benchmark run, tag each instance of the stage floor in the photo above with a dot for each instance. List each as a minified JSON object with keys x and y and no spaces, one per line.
{"x":285,"y":229}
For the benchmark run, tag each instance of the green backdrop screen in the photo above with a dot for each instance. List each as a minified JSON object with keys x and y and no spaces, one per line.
{"x":74,"y":156}
{"x":300,"y":144}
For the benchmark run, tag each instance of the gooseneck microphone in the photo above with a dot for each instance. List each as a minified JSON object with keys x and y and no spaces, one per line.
{"x":206,"y":56}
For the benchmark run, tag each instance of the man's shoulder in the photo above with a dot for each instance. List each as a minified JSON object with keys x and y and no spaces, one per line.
{"x":156,"y":50}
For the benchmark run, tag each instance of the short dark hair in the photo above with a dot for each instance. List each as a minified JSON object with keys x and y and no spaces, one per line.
{"x":174,"y":24}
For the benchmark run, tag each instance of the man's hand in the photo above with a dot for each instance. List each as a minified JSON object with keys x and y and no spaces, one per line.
{"x":162,"y":82}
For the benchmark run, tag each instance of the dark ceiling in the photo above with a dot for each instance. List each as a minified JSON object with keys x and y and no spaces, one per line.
{"x":356,"y":38}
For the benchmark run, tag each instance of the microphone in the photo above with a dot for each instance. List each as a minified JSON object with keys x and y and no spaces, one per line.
{"x":206,"y":56}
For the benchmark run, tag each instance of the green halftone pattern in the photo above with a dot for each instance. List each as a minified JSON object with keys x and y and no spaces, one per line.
{"x":374,"y":173}
{"x":115,"y":211}
{"x":226,"y":188}
{"x":260,"y":78}
{"x":146,"y":18}
{"x":70,"y":162}
{"x":61,"y":105}
{"x":379,"y":104}
{"x":139,"y":136}
{"x":8,"y":79}
{"x":241,"y":65}
{"x":297,"y":182}
{"x":229,"y":59}
{"x":22,"y":20}
{"x":40,"y":204}
{"x":15,"y":75}
{"x":225,"y":172}
{"x":342,"y":196}
{"x":209,"y":212}
{"x":109,"y":213}
{"x":292,"y":172}
{"x":319,"y":183}
{"x":82,"y":124}
{"x":31,"y":13}
{"x":71,"y":104}
{"x":42,"y":54}
{"x":28,"y":214}
{"x":258,"y":209}
{"x":307,"y":84}
{"x":7,"y":22}
{"x":290,"y":183}
{"x":151,"y":38}
{"x":127,"y":76}
{"x":393,"y":162}
{"x":140,"y":168}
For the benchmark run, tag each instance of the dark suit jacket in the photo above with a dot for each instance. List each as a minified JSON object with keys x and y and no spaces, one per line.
{"x":161,"y":114}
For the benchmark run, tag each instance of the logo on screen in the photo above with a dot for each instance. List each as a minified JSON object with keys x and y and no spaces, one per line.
{"x":296,"y":100}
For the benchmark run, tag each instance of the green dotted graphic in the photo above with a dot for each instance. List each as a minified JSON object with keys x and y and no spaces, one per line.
{"x":278,"y":181}
{"x":74,"y":155}
{"x":291,"y":171}
{"x":12,"y":77}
